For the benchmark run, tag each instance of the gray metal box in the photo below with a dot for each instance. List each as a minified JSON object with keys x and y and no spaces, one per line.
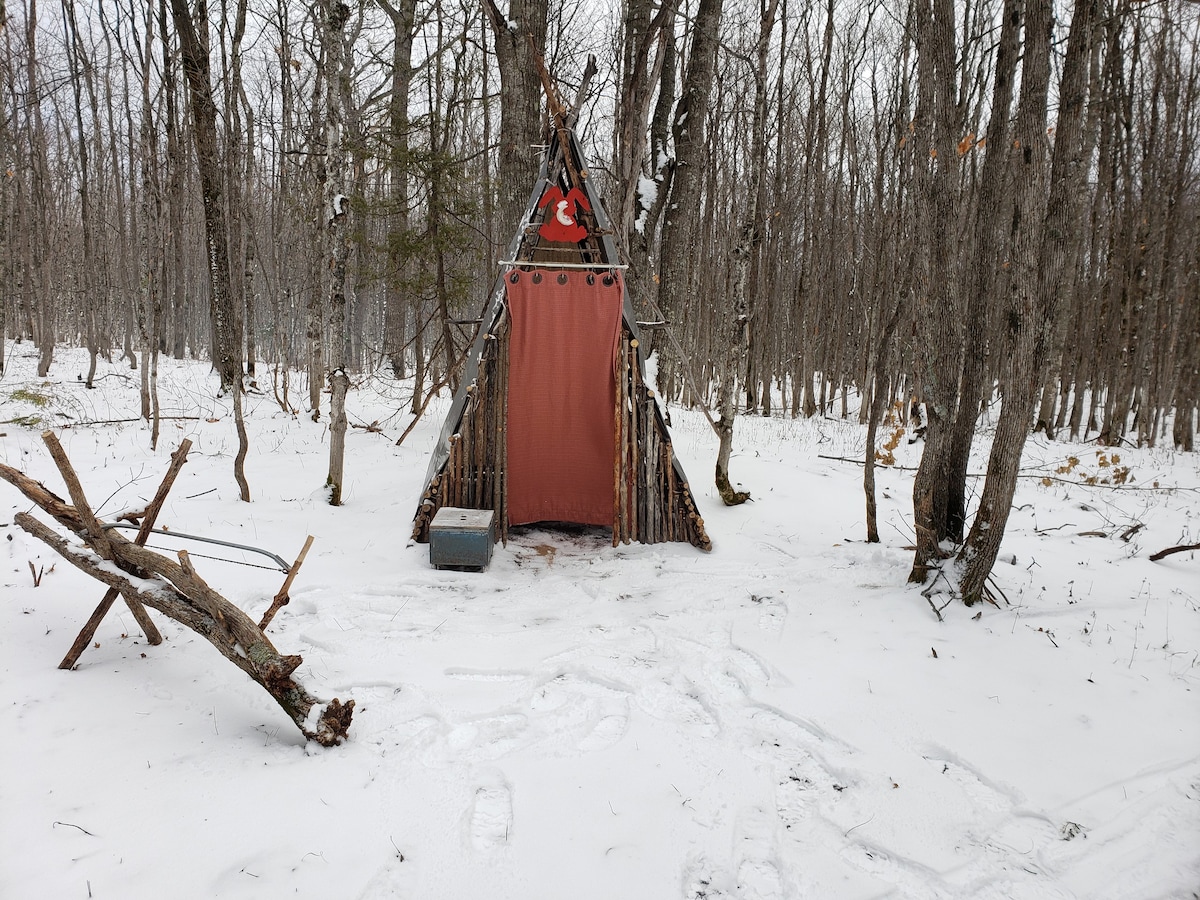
{"x":461,"y":538}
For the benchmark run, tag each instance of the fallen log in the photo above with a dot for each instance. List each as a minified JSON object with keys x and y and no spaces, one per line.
{"x":176,"y":590}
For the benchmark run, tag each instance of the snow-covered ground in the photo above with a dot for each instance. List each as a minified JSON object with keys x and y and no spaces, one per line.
{"x":781,"y":718}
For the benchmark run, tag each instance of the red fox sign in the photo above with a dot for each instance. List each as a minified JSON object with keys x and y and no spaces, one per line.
{"x":561,"y":224}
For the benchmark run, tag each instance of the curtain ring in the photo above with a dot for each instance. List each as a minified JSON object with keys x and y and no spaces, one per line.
{"x":514,"y":277}
{"x":591,"y":278}
{"x":562,"y":277}
{"x":608,"y":280}
{"x":537,"y":277}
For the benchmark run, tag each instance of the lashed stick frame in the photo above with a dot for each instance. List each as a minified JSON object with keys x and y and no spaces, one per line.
{"x":148,"y":579}
{"x":652,"y":501}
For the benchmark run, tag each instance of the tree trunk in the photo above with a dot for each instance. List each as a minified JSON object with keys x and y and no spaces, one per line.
{"x":396,"y":309}
{"x":937,"y":296}
{"x":193,"y":45}
{"x":878,"y":402}
{"x":1040,"y":252}
{"x":337,"y":212}
{"x":40,"y":303}
{"x":86,"y":282}
{"x":985,"y":268}
{"x":339,"y":384}
{"x":175,"y":173}
{"x":647,"y":62}
{"x":519,"y":36}
{"x":677,"y":250}
{"x":734,"y":363}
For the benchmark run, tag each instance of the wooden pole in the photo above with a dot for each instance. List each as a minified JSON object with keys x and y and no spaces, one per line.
{"x":467,"y":430}
{"x":652,"y":485}
{"x":484,"y":444}
{"x":635,"y":444}
{"x":480,"y":442}
{"x":502,"y":449}
{"x":672,"y":501}
{"x":281,"y":599}
{"x":618,"y":456}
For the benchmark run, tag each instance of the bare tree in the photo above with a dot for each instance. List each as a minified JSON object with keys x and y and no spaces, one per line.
{"x":678,"y":250}
{"x":402,"y":15}
{"x":226,"y":318}
{"x":1040,"y":250}
{"x":647,"y":69}
{"x":40,"y":305}
{"x":7,"y":217}
{"x":937,"y":315}
{"x":520,"y":39}
{"x":732,"y":366}
{"x":336,"y":213}
{"x":982,"y":277}
{"x":193,"y":44}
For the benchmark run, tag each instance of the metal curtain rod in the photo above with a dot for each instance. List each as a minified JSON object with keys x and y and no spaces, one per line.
{"x":554,"y":265}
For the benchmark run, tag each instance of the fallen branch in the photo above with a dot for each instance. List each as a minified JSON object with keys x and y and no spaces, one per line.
{"x":176,"y":590}
{"x":1038,"y":475}
{"x":124,"y":421}
{"x":1129,"y":532}
{"x":1183,"y":548}
{"x":429,"y":395}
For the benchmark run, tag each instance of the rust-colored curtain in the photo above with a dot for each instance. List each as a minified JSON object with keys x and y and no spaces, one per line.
{"x":562,"y":395}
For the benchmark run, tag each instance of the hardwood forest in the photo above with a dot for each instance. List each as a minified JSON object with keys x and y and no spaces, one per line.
{"x":891,"y":207}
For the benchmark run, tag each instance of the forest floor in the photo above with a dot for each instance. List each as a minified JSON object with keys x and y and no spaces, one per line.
{"x":781,"y":718}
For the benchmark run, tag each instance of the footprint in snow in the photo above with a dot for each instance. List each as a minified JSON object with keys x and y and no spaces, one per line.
{"x":907,"y":878}
{"x":670,"y":704}
{"x":982,"y":793}
{"x":699,"y":881}
{"x":592,"y":715}
{"x":607,"y":733}
{"x":754,"y":852}
{"x":482,"y":739}
{"x":773,"y":616}
{"x":388,"y":883}
{"x":491,"y":817}
{"x":751,"y":665}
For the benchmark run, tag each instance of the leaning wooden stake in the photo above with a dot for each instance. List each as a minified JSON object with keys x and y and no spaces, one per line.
{"x":176,"y":590}
{"x":281,"y":599}
{"x":178,"y":458}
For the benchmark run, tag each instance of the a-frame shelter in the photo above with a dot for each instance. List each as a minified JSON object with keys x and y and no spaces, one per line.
{"x":553,"y":420}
